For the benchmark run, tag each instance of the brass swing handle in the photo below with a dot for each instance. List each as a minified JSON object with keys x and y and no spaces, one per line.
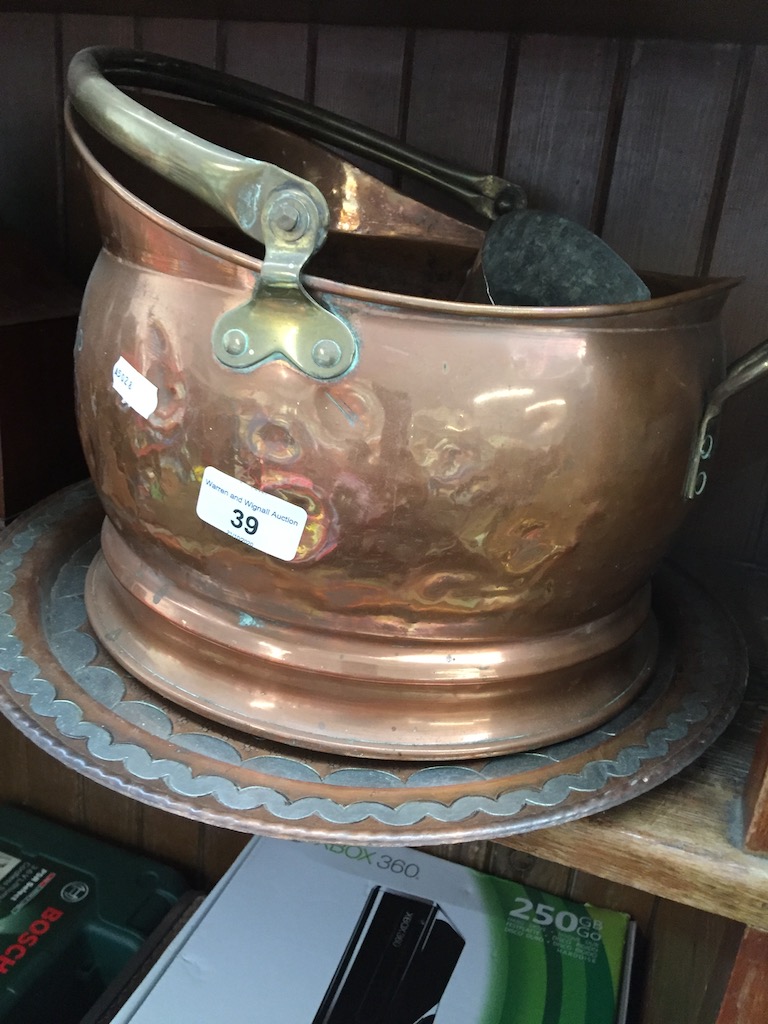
{"x":487,"y":194}
{"x":740,"y":375}
{"x":288,"y":215}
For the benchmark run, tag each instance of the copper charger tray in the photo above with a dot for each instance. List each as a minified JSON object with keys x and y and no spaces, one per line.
{"x":60,"y":688}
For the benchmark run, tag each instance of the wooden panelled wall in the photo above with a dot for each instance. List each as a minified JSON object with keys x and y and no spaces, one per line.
{"x":660,"y":146}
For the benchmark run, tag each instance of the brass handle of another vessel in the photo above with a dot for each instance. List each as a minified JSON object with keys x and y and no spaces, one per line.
{"x":740,"y":375}
{"x":287,"y":214}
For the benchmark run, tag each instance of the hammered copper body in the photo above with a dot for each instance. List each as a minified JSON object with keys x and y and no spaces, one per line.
{"x":488,"y":490}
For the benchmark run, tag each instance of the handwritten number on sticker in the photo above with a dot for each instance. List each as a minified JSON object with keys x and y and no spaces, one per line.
{"x":123,"y":378}
{"x":242,"y":522}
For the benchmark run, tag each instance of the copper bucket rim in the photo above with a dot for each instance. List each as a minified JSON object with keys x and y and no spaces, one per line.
{"x":692,"y":289}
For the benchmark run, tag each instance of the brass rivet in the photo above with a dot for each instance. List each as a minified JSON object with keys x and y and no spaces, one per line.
{"x":326,"y":353}
{"x":235,"y":341}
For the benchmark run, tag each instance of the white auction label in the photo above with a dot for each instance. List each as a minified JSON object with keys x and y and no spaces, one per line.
{"x":259,"y":520}
{"x":134,"y":388}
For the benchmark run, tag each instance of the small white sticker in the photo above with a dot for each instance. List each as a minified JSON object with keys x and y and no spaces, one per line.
{"x":259,"y":520}
{"x":134,"y":388}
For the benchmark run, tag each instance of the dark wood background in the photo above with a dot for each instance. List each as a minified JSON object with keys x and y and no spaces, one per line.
{"x":719,"y":20}
{"x":659,"y":144}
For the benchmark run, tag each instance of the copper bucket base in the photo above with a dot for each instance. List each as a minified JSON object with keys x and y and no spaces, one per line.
{"x":361,"y":696}
{"x":63,"y":690}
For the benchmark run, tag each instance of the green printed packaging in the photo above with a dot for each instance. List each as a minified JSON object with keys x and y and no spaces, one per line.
{"x":337,"y":934}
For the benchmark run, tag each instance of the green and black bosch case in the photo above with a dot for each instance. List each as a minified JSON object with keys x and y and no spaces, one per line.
{"x":74,"y":911}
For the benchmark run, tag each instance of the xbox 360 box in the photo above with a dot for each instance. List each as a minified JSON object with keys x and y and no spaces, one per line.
{"x":74,"y":911}
{"x":334,"y":934}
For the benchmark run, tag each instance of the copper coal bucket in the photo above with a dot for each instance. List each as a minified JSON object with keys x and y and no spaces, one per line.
{"x":345,"y":510}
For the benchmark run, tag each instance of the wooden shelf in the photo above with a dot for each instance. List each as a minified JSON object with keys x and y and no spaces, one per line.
{"x":683,"y":840}
{"x":736,"y":21}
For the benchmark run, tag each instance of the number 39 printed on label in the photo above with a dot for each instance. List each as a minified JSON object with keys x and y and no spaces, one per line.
{"x":241,"y":521}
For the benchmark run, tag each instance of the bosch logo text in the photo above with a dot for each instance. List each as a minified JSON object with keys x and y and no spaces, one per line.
{"x":26,"y":940}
